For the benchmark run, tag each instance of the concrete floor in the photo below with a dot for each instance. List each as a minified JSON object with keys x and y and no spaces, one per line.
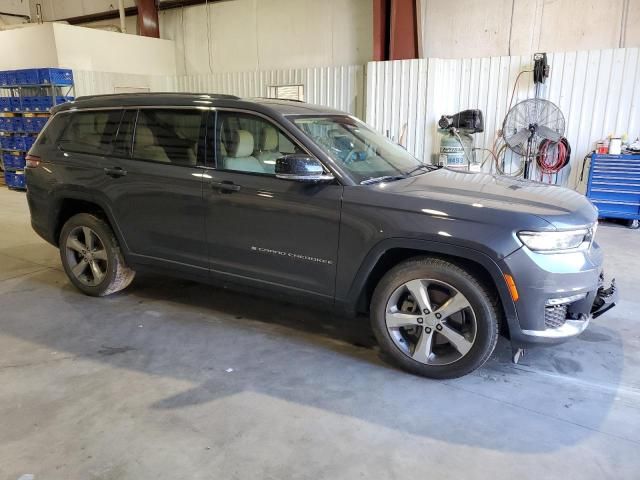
{"x":139,"y":386}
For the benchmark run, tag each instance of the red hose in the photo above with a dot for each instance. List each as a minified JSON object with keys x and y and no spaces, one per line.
{"x":552,"y":157}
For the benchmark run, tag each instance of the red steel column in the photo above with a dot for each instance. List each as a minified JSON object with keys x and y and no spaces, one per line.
{"x":395,"y":29}
{"x":404,"y":30}
{"x":381,"y":30}
{"x":148,"y":22}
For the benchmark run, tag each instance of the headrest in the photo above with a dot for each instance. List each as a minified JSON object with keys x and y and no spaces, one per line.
{"x":145,"y":136}
{"x":268,"y":139}
{"x":241,"y":144}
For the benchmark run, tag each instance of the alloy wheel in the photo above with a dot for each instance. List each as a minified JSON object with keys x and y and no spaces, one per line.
{"x":86,"y":256}
{"x":431,"y":321}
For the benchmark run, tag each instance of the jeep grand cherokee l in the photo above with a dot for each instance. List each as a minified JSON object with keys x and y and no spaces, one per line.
{"x":311,"y":203}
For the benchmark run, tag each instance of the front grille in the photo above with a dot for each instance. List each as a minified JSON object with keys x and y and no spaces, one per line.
{"x":555,"y":316}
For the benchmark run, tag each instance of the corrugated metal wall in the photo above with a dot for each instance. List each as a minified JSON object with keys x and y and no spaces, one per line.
{"x":598,"y":91}
{"x":339,"y":87}
{"x":96,"y":83}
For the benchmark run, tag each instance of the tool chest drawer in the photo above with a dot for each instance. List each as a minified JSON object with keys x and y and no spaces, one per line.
{"x":614,"y":185}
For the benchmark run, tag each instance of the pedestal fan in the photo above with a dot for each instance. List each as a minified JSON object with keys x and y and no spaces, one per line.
{"x":529,"y":125}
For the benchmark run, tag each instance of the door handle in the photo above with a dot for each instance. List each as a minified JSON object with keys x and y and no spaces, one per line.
{"x":225,"y":186}
{"x":115,"y":172}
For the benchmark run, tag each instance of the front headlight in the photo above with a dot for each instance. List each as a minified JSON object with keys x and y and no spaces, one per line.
{"x":556,"y":241}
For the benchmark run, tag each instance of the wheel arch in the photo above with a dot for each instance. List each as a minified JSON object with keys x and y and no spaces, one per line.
{"x":71,"y":202}
{"x":387,"y":254}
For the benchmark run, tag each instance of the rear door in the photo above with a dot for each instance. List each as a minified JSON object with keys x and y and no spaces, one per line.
{"x":156,"y":186}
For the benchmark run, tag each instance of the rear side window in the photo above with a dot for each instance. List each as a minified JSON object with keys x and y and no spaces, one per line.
{"x":91,"y":132}
{"x":52,"y":131}
{"x":168,"y":136}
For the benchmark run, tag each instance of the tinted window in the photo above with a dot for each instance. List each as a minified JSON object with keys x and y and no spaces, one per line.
{"x":167,"y":136}
{"x":91,"y":132}
{"x":366,"y":154}
{"x":248,"y":143}
{"x":122,"y":145}
{"x":53,"y":129}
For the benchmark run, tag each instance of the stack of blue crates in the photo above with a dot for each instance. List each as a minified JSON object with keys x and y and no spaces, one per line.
{"x":35,"y":77}
{"x":26,"y":96}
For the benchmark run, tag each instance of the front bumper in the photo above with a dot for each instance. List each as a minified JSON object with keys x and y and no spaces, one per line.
{"x":559,"y":294}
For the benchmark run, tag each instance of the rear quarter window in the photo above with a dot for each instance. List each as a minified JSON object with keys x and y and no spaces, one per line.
{"x":90,"y":132}
{"x":53,"y":130}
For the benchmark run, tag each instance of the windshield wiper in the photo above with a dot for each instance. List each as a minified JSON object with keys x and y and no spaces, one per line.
{"x":386,"y":178}
{"x":420,"y":167}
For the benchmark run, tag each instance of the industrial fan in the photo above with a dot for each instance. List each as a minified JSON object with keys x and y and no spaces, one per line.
{"x":530,"y":125}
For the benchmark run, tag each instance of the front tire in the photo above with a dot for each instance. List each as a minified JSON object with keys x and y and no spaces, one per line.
{"x":91,"y":256}
{"x":435,"y":319}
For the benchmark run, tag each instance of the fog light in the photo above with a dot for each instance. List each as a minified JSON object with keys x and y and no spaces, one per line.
{"x":559,"y":301}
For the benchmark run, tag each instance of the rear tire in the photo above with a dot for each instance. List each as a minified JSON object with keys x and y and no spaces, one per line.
{"x":91,"y":256}
{"x":451,"y":330}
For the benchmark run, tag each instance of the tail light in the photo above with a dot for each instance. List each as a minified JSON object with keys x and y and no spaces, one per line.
{"x":32,"y":161}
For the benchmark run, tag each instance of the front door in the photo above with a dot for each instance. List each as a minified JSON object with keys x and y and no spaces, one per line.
{"x":263,"y":229}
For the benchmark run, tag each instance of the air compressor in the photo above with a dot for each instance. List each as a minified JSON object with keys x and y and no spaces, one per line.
{"x":456,"y":144}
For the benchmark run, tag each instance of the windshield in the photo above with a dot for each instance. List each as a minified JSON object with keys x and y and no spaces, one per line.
{"x":368,"y":156}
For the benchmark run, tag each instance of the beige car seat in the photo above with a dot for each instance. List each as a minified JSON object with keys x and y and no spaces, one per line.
{"x":240,"y":153}
{"x":269,"y":152}
{"x":146,"y":147}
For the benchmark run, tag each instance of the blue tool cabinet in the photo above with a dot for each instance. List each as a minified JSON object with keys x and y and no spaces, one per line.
{"x":614,"y":185}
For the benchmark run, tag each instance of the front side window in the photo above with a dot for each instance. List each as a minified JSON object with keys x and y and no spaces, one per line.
{"x":167,"y":136}
{"x":364,"y":153}
{"x":248,"y":143}
{"x":91,"y":132}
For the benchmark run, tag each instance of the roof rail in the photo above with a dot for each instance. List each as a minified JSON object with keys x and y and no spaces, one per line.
{"x":282,"y":99}
{"x":147,"y":94}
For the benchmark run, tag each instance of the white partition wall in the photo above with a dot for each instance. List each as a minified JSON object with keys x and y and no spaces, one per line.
{"x":598,"y":92}
{"x":339,"y":87}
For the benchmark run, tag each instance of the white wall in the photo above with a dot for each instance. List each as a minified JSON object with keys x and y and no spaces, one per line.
{"x":17,"y":7}
{"x":90,"y":49}
{"x":28,"y":47}
{"x":248,"y":35}
{"x":53,"y":45}
{"x":472,"y":28}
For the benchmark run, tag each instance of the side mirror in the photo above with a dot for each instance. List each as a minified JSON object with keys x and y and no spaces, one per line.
{"x":302,"y":168}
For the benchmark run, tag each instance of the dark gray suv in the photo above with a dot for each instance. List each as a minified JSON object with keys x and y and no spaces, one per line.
{"x":310,"y":203}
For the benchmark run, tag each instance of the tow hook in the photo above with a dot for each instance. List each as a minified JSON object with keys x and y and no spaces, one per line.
{"x":517,"y":354}
{"x":605,"y":300}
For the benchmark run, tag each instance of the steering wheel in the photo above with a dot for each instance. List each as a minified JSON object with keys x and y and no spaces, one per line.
{"x":349,"y":155}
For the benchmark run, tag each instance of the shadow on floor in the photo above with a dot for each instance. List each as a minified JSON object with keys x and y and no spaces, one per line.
{"x":189,"y":331}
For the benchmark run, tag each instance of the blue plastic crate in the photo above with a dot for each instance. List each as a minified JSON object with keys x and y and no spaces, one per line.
{"x":61,"y":99}
{"x":13,"y":162}
{"x":12,"y":77}
{"x":7,"y":124}
{"x":16,"y":104}
{"x":18,"y":124}
{"x":44,"y":104}
{"x":3,"y":79}
{"x":15,"y":180}
{"x":7,"y":142}
{"x":19,"y":142}
{"x":34,"y":124}
{"x":55,"y":76}
{"x":3,"y":124}
{"x":29,"y":124}
{"x":28,"y":141}
{"x":27,"y":76}
{"x":5,"y":104}
{"x":26,"y":104}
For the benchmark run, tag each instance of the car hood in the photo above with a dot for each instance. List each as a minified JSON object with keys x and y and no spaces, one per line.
{"x":561,"y":207}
